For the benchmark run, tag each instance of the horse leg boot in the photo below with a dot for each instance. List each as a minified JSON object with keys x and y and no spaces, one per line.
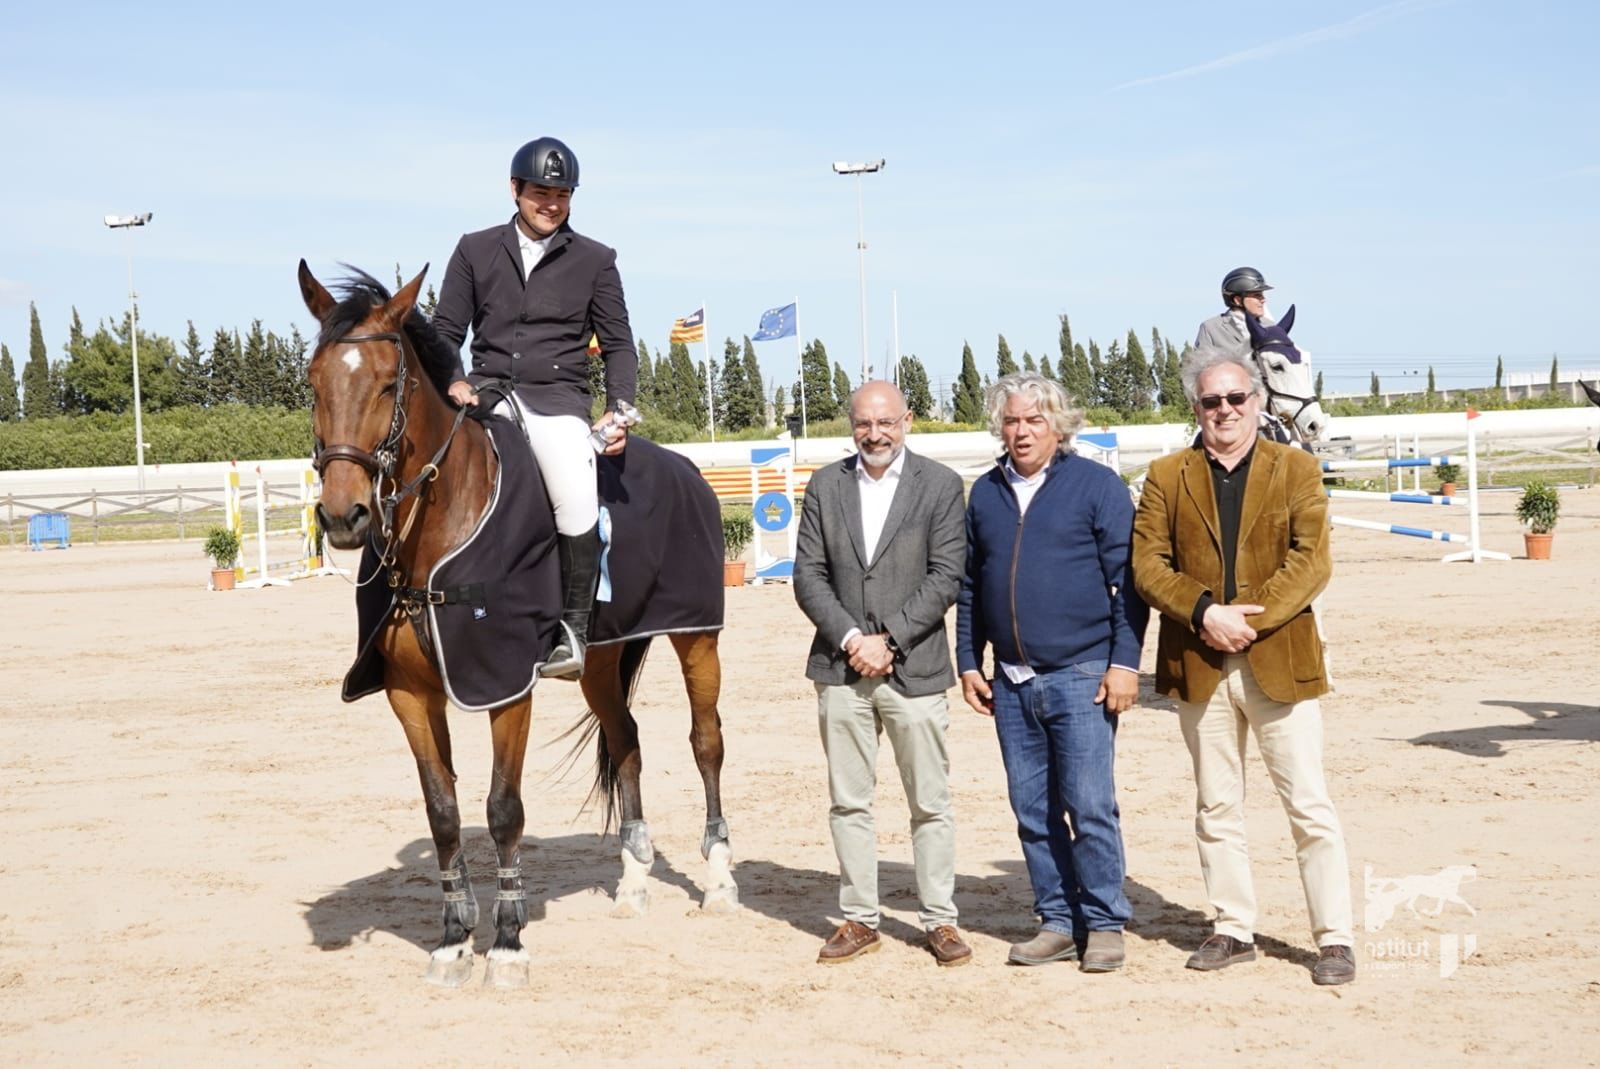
{"x":506,"y":967}
{"x":638,"y":854}
{"x":580,"y":575}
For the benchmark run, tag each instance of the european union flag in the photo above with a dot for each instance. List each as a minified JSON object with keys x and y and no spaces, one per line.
{"x":775,"y":323}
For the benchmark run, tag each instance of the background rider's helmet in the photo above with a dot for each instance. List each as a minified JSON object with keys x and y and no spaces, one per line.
{"x":545,"y":161}
{"x":1243,"y":280}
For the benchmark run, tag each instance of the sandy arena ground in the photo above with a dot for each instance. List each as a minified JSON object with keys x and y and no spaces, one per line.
{"x":207,"y":856}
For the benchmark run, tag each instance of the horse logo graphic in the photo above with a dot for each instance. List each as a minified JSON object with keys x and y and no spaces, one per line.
{"x":1384,"y":895}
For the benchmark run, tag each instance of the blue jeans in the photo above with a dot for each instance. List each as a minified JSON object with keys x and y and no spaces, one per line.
{"x":1059,"y":748}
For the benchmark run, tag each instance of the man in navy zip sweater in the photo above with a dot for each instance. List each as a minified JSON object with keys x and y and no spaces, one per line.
{"x":1047,"y":586}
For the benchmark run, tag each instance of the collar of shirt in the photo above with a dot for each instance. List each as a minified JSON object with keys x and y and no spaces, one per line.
{"x":532,"y":250}
{"x":896,"y":466}
{"x":1026,"y":486}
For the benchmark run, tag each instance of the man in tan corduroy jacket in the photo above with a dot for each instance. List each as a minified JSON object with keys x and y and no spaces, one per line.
{"x":1230,"y":546}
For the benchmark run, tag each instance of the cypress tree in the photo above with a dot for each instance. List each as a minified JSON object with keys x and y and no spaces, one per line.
{"x":841,"y":391}
{"x":1376,"y":392}
{"x":1555,"y":374}
{"x":1044,"y":367}
{"x":1098,"y":394}
{"x":644,"y":395}
{"x":967,"y":399}
{"x":1027,"y":362}
{"x":1430,"y":392}
{"x":1499,"y":372}
{"x":817,"y":380}
{"x":755,"y":390}
{"x":1003,"y":363}
{"x":1319,"y":386}
{"x":1137,"y":377}
{"x":914,"y":384}
{"x":194,"y":380}
{"x":9,"y":408}
{"x":226,"y":387}
{"x":735,"y":407}
{"x":37,"y":401}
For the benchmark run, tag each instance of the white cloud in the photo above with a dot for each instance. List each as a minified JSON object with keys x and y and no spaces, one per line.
{"x":1272,"y":49}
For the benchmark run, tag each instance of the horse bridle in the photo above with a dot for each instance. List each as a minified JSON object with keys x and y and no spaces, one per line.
{"x":380,"y":462}
{"x":1303,"y":403}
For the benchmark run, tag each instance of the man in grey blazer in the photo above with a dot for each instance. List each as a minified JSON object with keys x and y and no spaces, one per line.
{"x":881,"y":547}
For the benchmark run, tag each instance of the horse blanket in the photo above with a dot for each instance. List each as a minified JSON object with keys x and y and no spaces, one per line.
{"x":495,"y":600}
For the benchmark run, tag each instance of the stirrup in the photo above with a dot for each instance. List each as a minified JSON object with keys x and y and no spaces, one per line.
{"x":566,"y":660}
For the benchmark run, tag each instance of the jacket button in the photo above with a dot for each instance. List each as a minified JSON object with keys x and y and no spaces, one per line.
{"x":516,"y":356}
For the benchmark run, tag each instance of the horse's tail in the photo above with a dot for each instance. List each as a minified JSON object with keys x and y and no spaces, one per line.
{"x":607,"y":785}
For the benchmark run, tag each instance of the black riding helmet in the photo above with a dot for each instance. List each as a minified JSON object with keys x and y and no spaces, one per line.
{"x":1243,"y":280}
{"x":545,"y":161}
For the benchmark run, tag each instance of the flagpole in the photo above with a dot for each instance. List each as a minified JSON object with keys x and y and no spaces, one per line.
{"x":800,"y":355}
{"x":894,"y":302}
{"x":705,"y":339}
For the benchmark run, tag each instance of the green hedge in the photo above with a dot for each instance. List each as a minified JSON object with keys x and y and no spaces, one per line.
{"x":175,"y":436}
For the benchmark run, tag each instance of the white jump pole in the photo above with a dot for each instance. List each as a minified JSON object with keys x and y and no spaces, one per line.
{"x":263,"y":576}
{"x":1477,"y":552}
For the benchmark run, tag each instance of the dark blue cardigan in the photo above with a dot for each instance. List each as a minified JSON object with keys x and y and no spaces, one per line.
{"x":1050,"y":588}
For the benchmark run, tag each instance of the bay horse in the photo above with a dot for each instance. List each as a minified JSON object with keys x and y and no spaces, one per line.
{"x":410,"y":481}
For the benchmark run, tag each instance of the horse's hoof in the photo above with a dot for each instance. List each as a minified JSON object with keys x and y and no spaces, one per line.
{"x":450,"y":966}
{"x":721,"y":900}
{"x":506,"y":970}
{"x":631,"y":904}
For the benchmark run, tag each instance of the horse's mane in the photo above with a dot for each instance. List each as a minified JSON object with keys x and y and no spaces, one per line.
{"x":358,"y":294}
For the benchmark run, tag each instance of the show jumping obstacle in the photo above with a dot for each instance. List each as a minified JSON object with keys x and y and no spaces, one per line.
{"x":1474,"y":551}
{"x":310,"y":561}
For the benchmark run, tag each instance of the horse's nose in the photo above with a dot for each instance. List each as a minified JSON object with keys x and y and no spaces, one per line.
{"x":346,"y":528}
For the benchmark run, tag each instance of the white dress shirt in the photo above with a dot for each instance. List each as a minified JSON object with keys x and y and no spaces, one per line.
{"x":532,"y":251}
{"x":876,"y":497}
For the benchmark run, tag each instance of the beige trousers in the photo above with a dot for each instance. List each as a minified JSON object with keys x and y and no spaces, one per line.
{"x":850,"y":718}
{"x":1289,"y":736}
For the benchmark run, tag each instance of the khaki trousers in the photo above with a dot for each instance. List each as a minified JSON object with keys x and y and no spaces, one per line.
{"x":1289,"y":736}
{"x":850,"y":718}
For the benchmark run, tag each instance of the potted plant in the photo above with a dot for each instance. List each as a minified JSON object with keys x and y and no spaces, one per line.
{"x":222,"y":546}
{"x":1538,"y":509}
{"x":1448,"y":474}
{"x":738,"y":528}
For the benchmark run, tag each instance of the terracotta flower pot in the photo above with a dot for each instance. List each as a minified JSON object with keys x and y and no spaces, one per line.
{"x":222,"y":579}
{"x":1537,"y":545}
{"x":1447,"y":489}
{"x":733,"y":573}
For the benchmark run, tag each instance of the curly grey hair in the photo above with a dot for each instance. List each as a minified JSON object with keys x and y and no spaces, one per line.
{"x":1198,"y":361}
{"x":1054,"y":403}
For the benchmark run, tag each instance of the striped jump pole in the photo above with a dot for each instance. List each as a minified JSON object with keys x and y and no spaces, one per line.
{"x":1473,"y":539}
{"x":264,"y":577}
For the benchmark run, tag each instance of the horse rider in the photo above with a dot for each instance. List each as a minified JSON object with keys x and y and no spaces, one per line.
{"x":534,"y":291}
{"x":1244,"y":293}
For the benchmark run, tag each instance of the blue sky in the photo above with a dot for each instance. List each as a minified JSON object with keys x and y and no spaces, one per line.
{"x":1419,"y":177}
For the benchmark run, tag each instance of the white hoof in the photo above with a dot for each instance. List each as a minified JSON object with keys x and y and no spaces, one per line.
{"x":506,"y":970}
{"x":450,"y":966}
{"x":631,"y":904}
{"x":721,"y":900}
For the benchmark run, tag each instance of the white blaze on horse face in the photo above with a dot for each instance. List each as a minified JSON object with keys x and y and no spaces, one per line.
{"x":352,"y":360}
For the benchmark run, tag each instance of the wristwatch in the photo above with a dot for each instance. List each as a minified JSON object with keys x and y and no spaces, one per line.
{"x":894,"y":650}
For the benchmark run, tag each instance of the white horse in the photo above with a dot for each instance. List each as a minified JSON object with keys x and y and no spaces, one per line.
{"x":1293,"y":413}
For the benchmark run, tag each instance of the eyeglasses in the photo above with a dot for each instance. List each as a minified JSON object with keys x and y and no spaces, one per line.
{"x":1212,"y":401}
{"x":883,"y":426}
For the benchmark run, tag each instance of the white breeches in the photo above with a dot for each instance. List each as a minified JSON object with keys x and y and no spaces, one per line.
{"x":561,"y":448}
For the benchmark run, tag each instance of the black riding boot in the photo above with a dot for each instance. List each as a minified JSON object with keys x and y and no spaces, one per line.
{"x":580,"y":575}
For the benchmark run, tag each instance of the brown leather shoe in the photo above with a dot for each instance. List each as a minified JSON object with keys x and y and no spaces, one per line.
{"x":947,"y":946}
{"x":1103,"y":952}
{"x":1219,"y":952}
{"x":1337,"y":965}
{"x":851,"y":941}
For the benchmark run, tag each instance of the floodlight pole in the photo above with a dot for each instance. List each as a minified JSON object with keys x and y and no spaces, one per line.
{"x":128,"y":222}
{"x":859,"y":169}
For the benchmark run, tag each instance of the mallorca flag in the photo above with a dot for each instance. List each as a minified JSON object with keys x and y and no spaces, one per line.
{"x":594,"y":345}
{"x":690,"y":327}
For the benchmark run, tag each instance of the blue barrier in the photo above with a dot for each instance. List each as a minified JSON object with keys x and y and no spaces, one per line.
{"x":49,"y":527}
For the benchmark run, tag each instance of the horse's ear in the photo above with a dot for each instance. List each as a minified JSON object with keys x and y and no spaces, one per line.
{"x":400,"y":304}
{"x":318,"y":300}
{"x":1287,"y":322}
